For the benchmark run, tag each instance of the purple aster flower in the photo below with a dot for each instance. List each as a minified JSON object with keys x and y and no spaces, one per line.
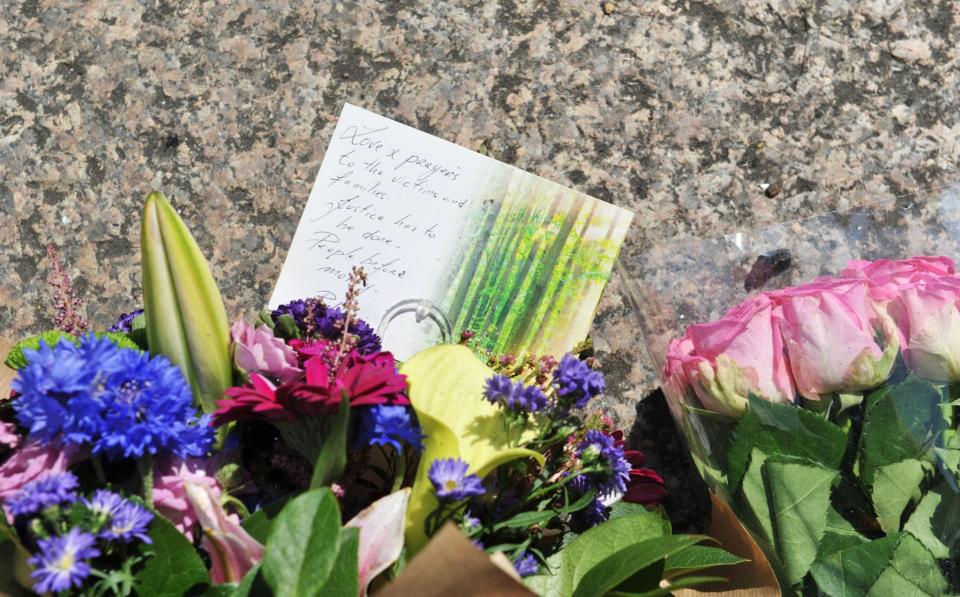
{"x":595,"y":513}
{"x":514,"y":396}
{"x":576,"y":382}
{"x":526,"y":564}
{"x":53,"y":490}
{"x":124,"y":322}
{"x":128,"y":522}
{"x":389,"y":424}
{"x":498,"y":390}
{"x":119,"y":401}
{"x":63,"y":562}
{"x":599,"y":448}
{"x":328,"y":322}
{"x":103,"y":503}
{"x":451,"y":481}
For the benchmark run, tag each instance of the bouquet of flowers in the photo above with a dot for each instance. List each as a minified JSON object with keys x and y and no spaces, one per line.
{"x":174,"y":453}
{"x":825,"y":415}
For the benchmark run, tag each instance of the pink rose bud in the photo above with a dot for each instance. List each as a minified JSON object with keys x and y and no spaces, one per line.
{"x":837,"y":338}
{"x":727,"y":360}
{"x":927,"y":313}
{"x":257,"y":350}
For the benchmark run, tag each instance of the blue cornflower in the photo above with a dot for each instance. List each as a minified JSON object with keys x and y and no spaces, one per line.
{"x":599,"y":448}
{"x":576,"y":382}
{"x":451,"y":481}
{"x":119,"y":401}
{"x":63,"y":562}
{"x":389,"y":424}
{"x":328,"y":322}
{"x":526,"y":564}
{"x":128,"y":522}
{"x":514,"y":396}
{"x":53,"y":490}
{"x":124,"y":322}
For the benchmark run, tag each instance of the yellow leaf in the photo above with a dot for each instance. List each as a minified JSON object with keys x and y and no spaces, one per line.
{"x":446,"y":389}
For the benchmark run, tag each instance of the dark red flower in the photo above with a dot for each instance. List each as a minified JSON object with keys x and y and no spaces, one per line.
{"x":367,"y":380}
{"x":645,"y":487}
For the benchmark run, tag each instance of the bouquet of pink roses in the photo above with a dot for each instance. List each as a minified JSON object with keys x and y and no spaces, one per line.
{"x":825,"y":415}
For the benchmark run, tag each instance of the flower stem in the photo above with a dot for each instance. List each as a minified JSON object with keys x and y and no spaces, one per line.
{"x":145,"y":465}
{"x":400,"y":471}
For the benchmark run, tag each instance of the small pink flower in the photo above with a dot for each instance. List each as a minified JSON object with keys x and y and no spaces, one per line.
{"x":170,"y":495}
{"x":33,"y":461}
{"x":233,"y":552}
{"x":8,"y":435}
{"x":257,"y":350}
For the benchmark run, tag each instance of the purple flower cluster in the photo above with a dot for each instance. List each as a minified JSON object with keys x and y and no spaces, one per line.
{"x":386,"y":424}
{"x":124,"y":521}
{"x":119,"y":401}
{"x":526,"y":565}
{"x":36,"y":496}
{"x":599,"y":448}
{"x":576,"y":382}
{"x":328,"y":321}
{"x":125,"y":321}
{"x":451,"y":481}
{"x":514,"y":396}
{"x":63,"y":562}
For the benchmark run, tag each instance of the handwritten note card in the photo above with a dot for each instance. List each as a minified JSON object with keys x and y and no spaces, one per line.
{"x":451,"y":240}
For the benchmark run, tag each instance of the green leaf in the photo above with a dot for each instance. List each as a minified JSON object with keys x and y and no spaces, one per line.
{"x":900,"y":423}
{"x":259,"y":523}
{"x":302,"y":547}
{"x":252,"y":584}
{"x":174,"y":567}
{"x":936,"y":521}
{"x":599,"y":577}
{"x":785,"y":430}
{"x":852,"y":571}
{"x":446,"y":391}
{"x":754,"y":492}
{"x":800,"y":500}
{"x":894,"y":487}
{"x":333,"y":454}
{"x":838,"y":535}
{"x":622,"y":508}
{"x":894,"y":565}
{"x":185,"y":317}
{"x":675,"y":585}
{"x":343,"y":581}
{"x":593,"y":546}
{"x":912,"y":571}
{"x":697,"y":557}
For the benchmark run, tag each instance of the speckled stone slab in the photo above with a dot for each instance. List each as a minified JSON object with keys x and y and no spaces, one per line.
{"x":679,"y":111}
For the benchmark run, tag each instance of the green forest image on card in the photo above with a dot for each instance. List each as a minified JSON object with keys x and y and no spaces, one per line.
{"x":532,"y":267}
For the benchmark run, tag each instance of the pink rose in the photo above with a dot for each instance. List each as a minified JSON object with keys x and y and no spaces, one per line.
{"x":32,"y":462}
{"x":725,"y":361}
{"x":830,"y":331}
{"x":886,"y":276}
{"x":927,"y":313}
{"x":257,"y":350}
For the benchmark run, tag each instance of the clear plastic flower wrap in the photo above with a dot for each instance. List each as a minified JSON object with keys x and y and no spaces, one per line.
{"x":814,"y":369}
